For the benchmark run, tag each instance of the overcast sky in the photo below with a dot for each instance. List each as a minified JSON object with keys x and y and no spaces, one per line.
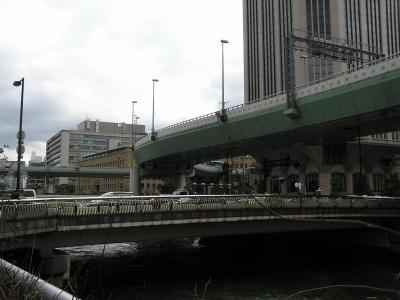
{"x":93,"y":57}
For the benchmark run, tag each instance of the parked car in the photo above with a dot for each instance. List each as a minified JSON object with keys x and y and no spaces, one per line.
{"x":28,"y":194}
{"x":24,"y":194}
{"x":181,"y":192}
{"x":116,"y":194}
{"x":110,"y":196}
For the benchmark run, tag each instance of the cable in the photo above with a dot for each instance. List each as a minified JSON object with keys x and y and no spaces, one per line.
{"x":367,"y":224}
{"x":343,"y":286}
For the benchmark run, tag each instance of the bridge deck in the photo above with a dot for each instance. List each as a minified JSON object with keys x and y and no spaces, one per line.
{"x":65,"y":223}
{"x":368,"y":96}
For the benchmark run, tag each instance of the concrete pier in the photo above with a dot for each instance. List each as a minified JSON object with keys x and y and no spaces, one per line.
{"x":55,"y":267}
{"x":134,"y":180}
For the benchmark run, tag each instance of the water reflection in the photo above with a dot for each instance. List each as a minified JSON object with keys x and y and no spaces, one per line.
{"x":231,"y":268}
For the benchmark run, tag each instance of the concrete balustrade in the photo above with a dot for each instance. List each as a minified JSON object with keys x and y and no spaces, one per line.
{"x":149,"y":207}
{"x":52,"y":223}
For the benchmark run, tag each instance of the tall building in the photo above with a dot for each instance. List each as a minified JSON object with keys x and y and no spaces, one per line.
{"x":369,"y":25}
{"x":67,"y":147}
{"x":36,"y":182}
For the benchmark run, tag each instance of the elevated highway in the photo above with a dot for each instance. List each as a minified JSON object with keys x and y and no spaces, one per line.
{"x":367,"y":97}
{"x":69,"y":172}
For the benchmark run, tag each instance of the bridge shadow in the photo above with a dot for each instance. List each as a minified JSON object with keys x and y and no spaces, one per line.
{"x":240,"y":267}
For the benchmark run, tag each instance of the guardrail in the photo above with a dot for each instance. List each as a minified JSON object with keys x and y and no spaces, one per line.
{"x":92,"y":206}
{"x":352,"y":70}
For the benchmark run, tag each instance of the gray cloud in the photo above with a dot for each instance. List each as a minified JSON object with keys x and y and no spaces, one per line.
{"x":90,"y":57}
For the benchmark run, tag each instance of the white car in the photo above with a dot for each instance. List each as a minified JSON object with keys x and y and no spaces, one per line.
{"x":116,"y":194}
{"x":181,"y":192}
{"x":111,"y":196}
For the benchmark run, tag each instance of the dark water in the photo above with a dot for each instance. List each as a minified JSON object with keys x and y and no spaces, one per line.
{"x":260,"y":267}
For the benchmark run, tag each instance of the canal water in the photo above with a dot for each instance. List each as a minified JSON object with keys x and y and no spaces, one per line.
{"x":257,"y":267}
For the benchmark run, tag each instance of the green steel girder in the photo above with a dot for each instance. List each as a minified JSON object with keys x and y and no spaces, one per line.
{"x":71,"y":172}
{"x":373,"y":104}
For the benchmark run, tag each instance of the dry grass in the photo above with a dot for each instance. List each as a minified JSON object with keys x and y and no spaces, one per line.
{"x":14,"y":288}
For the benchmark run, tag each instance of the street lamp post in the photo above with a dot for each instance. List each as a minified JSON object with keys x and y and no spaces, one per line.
{"x":133,"y":115}
{"x":360,"y":158}
{"x":136,"y":120}
{"x":223,"y":115}
{"x":360,"y":180}
{"x":304,"y":57}
{"x":153,"y":134}
{"x":20,"y":134}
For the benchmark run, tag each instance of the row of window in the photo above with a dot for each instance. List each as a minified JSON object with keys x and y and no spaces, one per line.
{"x":88,"y":186}
{"x":108,"y":164}
{"x":101,"y":180}
{"x":394,"y":136}
{"x":338,"y":183}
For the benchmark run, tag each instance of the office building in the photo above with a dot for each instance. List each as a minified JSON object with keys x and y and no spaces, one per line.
{"x":369,"y":25}
{"x":38,"y":183}
{"x":67,"y":147}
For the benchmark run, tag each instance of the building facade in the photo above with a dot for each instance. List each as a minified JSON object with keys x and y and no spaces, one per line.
{"x":116,"y":158}
{"x":38,"y":183}
{"x":369,"y":25}
{"x":67,"y":147}
{"x":120,"y":157}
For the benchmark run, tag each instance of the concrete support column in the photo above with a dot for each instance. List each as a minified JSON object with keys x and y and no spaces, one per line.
{"x":50,"y":186}
{"x":181,"y":181}
{"x":203,"y":189}
{"x":210,"y":189}
{"x":55,"y":268}
{"x":349,"y":182}
{"x":134,"y":180}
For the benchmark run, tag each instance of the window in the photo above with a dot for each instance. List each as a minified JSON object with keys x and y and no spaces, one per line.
{"x":312,"y":182}
{"x":275,"y":185}
{"x":360,"y":184}
{"x":292,"y":179}
{"x":338,"y":183}
{"x":379,"y":182}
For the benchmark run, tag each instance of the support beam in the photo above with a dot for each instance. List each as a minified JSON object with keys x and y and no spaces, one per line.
{"x":50,"y":186}
{"x":134,"y":180}
{"x":56,"y":268}
{"x":181,"y":181}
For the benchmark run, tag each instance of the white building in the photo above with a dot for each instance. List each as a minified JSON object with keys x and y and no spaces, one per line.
{"x":67,"y":147}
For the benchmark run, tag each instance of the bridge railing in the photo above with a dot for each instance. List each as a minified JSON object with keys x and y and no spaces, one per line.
{"x":92,"y":206}
{"x":352,"y":70}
